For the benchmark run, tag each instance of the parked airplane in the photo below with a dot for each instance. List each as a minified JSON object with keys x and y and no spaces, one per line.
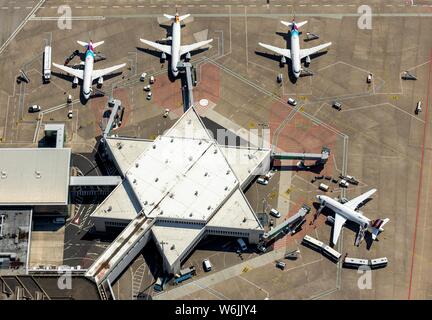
{"x":88,"y":75}
{"x":348,"y":211}
{"x":295,"y":53}
{"x":175,"y":49}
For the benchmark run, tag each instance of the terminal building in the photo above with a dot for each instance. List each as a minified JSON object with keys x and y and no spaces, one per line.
{"x":36,"y":178}
{"x":175,"y":190}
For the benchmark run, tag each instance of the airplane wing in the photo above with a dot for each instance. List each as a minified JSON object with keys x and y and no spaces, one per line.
{"x":354,"y":203}
{"x":308,"y":52}
{"x":74,"y":72}
{"x":282,"y":52}
{"x":100,"y":73}
{"x":337,"y":227}
{"x":158,"y":46}
{"x":193,"y":46}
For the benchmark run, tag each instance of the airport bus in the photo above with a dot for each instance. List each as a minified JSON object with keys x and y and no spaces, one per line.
{"x":331,"y":253}
{"x":312,"y":242}
{"x":47,"y":64}
{"x":378,"y":263}
{"x":354,"y":262}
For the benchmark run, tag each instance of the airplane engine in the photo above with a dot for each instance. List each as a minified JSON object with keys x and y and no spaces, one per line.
{"x":75,"y":82}
{"x":283,"y":60}
{"x":163,"y":57}
{"x":308,"y":60}
{"x":188,"y":56}
{"x":100,"y":82}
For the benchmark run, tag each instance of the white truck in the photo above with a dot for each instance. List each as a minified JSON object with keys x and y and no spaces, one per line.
{"x":47,"y":64}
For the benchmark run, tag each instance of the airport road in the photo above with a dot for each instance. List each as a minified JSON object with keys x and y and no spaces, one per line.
{"x":420,"y":282}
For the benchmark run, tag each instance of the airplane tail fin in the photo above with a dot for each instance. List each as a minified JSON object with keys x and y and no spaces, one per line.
{"x":377,"y":227}
{"x":181,"y":18}
{"x":85,"y":44}
{"x":173,"y":18}
{"x":169,"y":16}
{"x":289,"y":24}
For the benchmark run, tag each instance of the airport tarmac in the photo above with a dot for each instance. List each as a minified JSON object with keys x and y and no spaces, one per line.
{"x":376,"y":137}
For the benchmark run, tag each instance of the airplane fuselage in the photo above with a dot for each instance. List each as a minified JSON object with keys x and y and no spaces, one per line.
{"x":344,"y":211}
{"x":175,"y":47}
{"x":295,"y":53}
{"x":88,"y":70}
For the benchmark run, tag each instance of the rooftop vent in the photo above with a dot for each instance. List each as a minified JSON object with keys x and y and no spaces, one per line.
{"x":172,"y":140}
{"x":215,"y":151}
{"x":228,"y":172}
{"x":189,"y":121}
{"x":37,"y":174}
{"x":136,"y":165}
{"x":154,"y":146}
{"x":3,"y":174}
{"x":190,"y":214}
{"x":134,"y":180}
{"x":244,"y":219}
{"x":109,"y":208}
{"x":206,"y":174}
{"x":173,"y":247}
{"x":196,"y":193}
{"x":157,"y":179}
{"x":209,"y":207}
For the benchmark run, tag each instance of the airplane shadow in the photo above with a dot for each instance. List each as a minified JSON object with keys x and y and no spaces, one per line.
{"x":315,"y":169}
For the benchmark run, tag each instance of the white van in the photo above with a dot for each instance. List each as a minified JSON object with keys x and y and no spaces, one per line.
{"x":275,"y":213}
{"x":323,"y":187}
{"x":242,"y":244}
{"x":207,"y":265}
{"x":292,"y":102}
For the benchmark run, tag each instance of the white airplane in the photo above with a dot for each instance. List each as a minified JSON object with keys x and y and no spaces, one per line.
{"x":175,"y":49}
{"x":88,"y":75}
{"x":348,"y":211}
{"x":295,"y":53}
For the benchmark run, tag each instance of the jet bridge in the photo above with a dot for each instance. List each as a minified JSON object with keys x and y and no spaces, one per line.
{"x":320,"y":158}
{"x":121,"y":251}
{"x":115,"y":119}
{"x":288,"y":226}
{"x":187,"y":86}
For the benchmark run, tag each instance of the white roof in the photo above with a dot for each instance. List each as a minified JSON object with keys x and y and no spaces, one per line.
{"x":236,"y":213}
{"x":121,"y":204}
{"x":125,"y":150}
{"x":32,"y":176}
{"x":175,"y":240}
{"x":245,"y":161}
{"x":183,"y":179}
